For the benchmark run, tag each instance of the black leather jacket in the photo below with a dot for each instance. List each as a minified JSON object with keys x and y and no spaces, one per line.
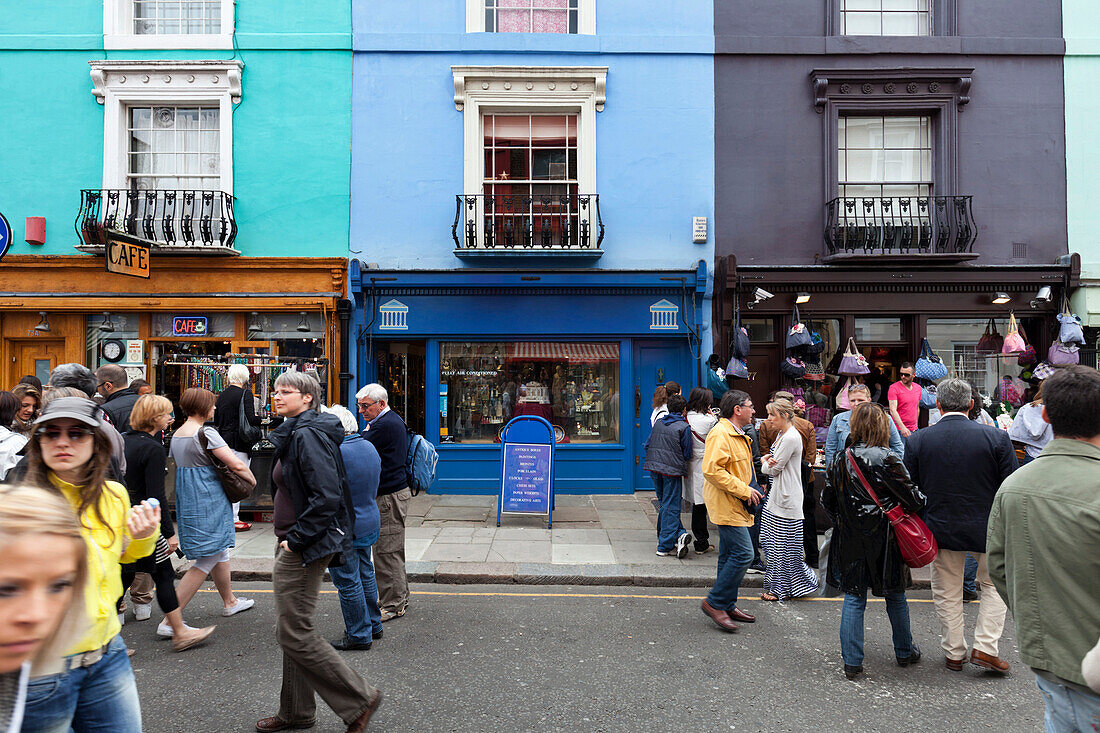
{"x":314,"y":476}
{"x":863,"y":553}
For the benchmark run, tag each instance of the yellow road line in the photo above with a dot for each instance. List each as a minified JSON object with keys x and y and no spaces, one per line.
{"x":578,"y":595}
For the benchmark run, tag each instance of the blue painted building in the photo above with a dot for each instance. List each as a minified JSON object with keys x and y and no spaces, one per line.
{"x":525,"y":181}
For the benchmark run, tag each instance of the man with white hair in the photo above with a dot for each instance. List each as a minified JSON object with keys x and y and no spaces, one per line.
{"x":227,"y":421}
{"x":386,"y":431}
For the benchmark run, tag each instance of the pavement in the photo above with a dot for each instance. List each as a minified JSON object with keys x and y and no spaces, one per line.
{"x":599,"y":539}
{"x":596,"y":658}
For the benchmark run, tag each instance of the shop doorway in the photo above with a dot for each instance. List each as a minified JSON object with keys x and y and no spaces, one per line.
{"x":36,"y":357}
{"x":655,"y":362}
{"x":400,"y":368}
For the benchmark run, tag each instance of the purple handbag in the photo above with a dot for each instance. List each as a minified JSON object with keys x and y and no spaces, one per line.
{"x":854,"y":363}
{"x":1061,"y":354}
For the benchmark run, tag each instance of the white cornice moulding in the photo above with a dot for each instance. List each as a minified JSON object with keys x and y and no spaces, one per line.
{"x":530,"y":83}
{"x":166,"y":78}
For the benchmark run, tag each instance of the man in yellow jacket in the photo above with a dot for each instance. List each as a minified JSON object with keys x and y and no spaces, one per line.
{"x":728,"y":492}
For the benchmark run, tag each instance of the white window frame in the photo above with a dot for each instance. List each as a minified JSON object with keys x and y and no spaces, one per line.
{"x":586,"y":18}
{"x":118,"y":30}
{"x":119,"y":85}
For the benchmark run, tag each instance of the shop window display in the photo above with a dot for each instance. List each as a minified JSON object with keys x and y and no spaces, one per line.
{"x":955,"y":340}
{"x":125,"y":326}
{"x":573,"y":385}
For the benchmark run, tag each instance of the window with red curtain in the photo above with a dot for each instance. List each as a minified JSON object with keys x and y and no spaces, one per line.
{"x":531,"y":16}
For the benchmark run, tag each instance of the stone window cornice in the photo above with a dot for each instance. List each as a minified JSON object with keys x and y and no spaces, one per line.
{"x":166,"y":79}
{"x":887,"y":87}
{"x":530,"y":85}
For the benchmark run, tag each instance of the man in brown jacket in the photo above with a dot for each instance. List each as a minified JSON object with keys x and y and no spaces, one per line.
{"x":727,"y":468}
{"x":805,"y":428}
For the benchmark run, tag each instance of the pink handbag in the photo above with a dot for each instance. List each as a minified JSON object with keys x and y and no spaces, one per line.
{"x":1014,"y":342}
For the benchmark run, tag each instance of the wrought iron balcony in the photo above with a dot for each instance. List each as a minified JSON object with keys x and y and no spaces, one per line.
{"x":871,"y":229}
{"x":176,"y":221}
{"x":528,"y":225}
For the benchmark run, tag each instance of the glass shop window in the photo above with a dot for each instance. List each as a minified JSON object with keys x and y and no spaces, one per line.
{"x":955,"y":340}
{"x":573,"y":385}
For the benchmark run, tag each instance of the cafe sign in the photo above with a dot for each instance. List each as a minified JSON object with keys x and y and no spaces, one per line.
{"x":189,"y":326}
{"x":127,"y":255}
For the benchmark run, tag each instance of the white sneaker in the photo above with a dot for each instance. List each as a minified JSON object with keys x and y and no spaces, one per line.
{"x":122,"y":619}
{"x":142,"y":611}
{"x":242,"y":604}
{"x":682,"y":543}
{"x":164,"y":630}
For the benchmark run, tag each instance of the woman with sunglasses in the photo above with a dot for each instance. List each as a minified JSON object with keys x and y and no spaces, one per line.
{"x":42,"y":573}
{"x":145,"y":467}
{"x":203,"y":513}
{"x":69,"y":454}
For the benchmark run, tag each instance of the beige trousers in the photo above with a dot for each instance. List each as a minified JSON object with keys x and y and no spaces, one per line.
{"x":389,"y":552}
{"x":947,"y":594}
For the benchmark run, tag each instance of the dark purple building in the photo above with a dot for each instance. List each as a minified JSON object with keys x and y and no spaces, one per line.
{"x":901,"y":164}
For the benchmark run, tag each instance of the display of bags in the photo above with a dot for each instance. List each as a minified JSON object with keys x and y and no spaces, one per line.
{"x":1014,"y":342}
{"x":818,"y":416}
{"x":737,"y":368}
{"x":1069,"y":330}
{"x":916,"y":542}
{"x":798,"y":335}
{"x":816,"y":345}
{"x":854,"y":363}
{"x":928,"y":396}
{"x":1028,"y":356}
{"x":739,"y":338}
{"x":814,"y":372}
{"x":793,"y":367}
{"x":1061,"y":354}
{"x":991,"y":341}
{"x":929,"y":366}
{"x":1010,"y":392}
{"x":1042,"y":370}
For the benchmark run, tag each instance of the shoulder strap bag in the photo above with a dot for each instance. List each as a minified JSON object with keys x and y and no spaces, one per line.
{"x":916,"y":542}
{"x":236,"y":488}
{"x":247,"y":433}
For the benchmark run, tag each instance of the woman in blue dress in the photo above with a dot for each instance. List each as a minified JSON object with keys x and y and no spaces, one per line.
{"x":204,"y":516}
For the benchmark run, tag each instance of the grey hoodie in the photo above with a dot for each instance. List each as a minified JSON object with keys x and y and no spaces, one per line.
{"x":1030,"y":429}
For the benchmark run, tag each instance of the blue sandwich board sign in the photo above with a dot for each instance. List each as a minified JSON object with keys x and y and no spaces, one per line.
{"x":527,"y":468}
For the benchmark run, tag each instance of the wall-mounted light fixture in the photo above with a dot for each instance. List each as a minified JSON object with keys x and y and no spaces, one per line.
{"x":43,"y":322}
{"x":802,"y":297}
{"x":254,"y":323}
{"x":303,"y":325}
{"x":1001,"y":297}
{"x":108,"y":325}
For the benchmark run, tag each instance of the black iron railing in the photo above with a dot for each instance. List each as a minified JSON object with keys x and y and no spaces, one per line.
{"x":899,"y":225}
{"x":173,"y":219}
{"x":567,"y":222}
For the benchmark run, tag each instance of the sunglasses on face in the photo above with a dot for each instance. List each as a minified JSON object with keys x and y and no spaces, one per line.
{"x":74,"y":434}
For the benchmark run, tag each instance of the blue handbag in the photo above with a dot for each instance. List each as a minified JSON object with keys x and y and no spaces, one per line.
{"x":1070,"y":331}
{"x":929,"y":366}
{"x":928,"y":396}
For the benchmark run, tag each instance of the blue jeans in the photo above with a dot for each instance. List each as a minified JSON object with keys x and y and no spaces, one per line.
{"x":970,"y":572}
{"x":669,"y":496}
{"x":851,"y":626}
{"x":102,"y":697}
{"x":1068,"y":709}
{"x":734,"y":557}
{"x":358,"y":595}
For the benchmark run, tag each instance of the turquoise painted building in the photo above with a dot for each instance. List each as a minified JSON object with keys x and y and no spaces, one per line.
{"x":215,"y":132}
{"x":1081,"y":24}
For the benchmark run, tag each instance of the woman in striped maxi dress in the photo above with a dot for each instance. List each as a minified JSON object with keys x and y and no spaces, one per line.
{"x":788,"y":575}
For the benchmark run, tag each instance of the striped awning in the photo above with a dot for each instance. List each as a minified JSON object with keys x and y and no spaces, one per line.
{"x":547,"y":351}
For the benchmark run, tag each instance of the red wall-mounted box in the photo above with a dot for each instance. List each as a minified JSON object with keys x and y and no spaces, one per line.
{"x":35,"y":230}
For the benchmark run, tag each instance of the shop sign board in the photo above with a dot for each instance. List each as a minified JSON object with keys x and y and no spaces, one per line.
{"x":127,"y":255}
{"x":527,"y":468}
{"x":189,"y":326}
{"x":5,"y":236}
{"x":135,"y":351}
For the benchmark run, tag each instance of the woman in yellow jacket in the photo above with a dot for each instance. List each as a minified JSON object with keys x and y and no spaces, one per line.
{"x":95,"y":691}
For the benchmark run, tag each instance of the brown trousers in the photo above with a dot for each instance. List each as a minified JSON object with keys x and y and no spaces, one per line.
{"x":310,"y":664}
{"x":389,"y":552}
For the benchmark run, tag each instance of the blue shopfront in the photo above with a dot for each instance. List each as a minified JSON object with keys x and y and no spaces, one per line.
{"x":463,"y":351}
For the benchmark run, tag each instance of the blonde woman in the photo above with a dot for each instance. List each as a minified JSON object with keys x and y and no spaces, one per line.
{"x":42,"y":574}
{"x":788,"y":575}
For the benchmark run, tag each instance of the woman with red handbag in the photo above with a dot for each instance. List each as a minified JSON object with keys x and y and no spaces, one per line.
{"x":864,"y":552}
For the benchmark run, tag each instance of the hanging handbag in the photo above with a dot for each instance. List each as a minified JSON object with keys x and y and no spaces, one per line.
{"x":915,"y":541}
{"x":1028,"y":356}
{"x":842,"y":400}
{"x":1070,"y":331}
{"x":798,"y":335}
{"x":814,"y":372}
{"x":816,"y":345}
{"x":236,"y":488}
{"x":1014,"y":342}
{"x":247,"y":433}
{"x":929,"y":366}
{"x":792,"y":367}
{"x":1061,"y":354}
{"x":1010,"y":392}
{"x":1042,"y":370}
{"x":739,"y":338}
{"x":737,"y":368}
{"x":928,"y":396}
{"x":991,"y":341}
{"x":854,"y":363}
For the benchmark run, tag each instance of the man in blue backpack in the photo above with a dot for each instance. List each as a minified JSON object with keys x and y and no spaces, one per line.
{"x":386,"y":431}
{"x":667,"y":454}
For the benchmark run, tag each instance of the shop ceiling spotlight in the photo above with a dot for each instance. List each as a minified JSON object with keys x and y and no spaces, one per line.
{"x":802,"y":297}
{"x":108,"y":325}
{"x":1001,"y":297}
{"x":43,"y":322}
{"x":303,"y":325}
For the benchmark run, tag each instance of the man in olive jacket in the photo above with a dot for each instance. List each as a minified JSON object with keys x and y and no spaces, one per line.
{"x":1043,"y":549}
{"x":729,"y":496}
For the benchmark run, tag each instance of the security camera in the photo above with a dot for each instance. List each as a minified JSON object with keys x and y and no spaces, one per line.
{"x":1043,"y":297}
{"x":761,"y":294}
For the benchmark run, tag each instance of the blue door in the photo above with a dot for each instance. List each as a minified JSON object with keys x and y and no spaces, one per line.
{"x":655,"y":362}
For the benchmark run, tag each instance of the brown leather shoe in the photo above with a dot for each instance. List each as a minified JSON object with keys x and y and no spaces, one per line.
{"x":277,"y":723}
{"x":955,"y":665}
{"x":738,"y":615}
{"x":360,"y":723}
{"x":719,"y":617}
{"x":989,"y":662}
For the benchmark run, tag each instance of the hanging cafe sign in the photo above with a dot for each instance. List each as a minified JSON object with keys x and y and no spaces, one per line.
{"x":127,"y":255}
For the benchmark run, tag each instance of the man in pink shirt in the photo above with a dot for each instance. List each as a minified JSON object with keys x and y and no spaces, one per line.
{"x":904,"y":398}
